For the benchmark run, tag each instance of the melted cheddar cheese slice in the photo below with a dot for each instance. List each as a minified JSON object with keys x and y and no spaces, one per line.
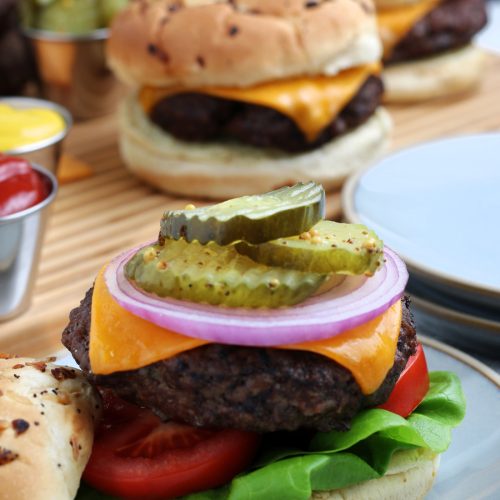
{"x":122,"y":341}
{"x":395,"y":22}
{"x":311,"y":102}
{"x":119,"y":340}
{"x":367,"y":351}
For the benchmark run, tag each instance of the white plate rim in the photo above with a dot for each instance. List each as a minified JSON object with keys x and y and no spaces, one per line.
{"x":450,"y":314}
{"x":465,"y":358}
{"x":350,"y":213}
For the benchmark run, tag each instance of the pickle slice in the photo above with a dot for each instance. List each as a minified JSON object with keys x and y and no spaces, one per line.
{"x":63,"y":16}
{"x":254,"y":219}
{"x":217,"y":275}
{"x":328,"y":247}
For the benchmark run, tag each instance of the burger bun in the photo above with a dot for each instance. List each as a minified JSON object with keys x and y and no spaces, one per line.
{"x":47,"y":417}
{"x":222,"y":43}
{"x":410,"y":476}
{"x":224,"y":169}
{"x":442,"y":75}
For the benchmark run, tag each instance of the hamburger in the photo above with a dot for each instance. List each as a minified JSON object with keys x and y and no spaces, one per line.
{"x":269,"y":353}
{"x":428,"y":50}
{"x":237,"y":97}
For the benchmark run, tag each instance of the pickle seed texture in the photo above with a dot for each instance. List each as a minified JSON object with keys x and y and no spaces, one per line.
{"x":217,"y":275}
{"x":328,"y":247}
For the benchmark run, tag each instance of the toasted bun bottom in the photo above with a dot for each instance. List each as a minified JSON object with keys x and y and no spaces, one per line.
{"x":410,"y":476}
{"x":442,"y":75}
{"x":225,"y":169}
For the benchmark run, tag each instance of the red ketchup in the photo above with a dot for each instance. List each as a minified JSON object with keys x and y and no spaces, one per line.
{"x":21,"y":187}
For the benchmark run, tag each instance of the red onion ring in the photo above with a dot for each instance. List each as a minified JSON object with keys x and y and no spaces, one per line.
{"x":355,"y":301}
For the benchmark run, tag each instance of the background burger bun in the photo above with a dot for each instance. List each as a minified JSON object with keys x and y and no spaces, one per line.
{"x":60,"y":406}
{"x":410,"y":476}
{"x":221,"y":170}
{"x":239,"y":43}
{"x":388,"y":4}
{"x":439,"y":76}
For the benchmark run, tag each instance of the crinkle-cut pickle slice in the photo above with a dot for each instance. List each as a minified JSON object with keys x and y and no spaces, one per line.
{"x":217,"y":275}
{"x":254,"y":219}
{"x":328,"y":247}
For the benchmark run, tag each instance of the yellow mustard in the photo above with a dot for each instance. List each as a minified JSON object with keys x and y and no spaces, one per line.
{"x":20,"y":127}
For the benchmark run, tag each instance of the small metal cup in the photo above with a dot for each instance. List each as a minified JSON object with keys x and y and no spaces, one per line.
{"x":21,"y":237}
{"x":48,"y":151}
{"x":74,"y":73}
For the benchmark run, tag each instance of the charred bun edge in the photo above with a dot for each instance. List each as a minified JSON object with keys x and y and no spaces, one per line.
{"x":47,"y":416}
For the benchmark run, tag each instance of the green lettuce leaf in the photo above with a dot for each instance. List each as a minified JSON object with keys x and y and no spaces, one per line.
{"x":86,"y":492}
{"x":339,"y":459}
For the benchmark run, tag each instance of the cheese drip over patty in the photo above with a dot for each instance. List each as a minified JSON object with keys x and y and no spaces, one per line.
{"x":121,"y":341}
{"x":311,"y":102}
{"x":395,"y":22}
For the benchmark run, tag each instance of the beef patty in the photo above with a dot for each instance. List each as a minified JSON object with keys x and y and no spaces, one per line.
{"x":248,"y":388}
{"x":452,"y":24}
{"x":199,"y":117}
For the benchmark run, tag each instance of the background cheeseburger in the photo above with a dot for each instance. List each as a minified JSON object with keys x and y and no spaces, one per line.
{"x":428,"y":49}
{"x":258,"y":340}
{"x":239,"y":97}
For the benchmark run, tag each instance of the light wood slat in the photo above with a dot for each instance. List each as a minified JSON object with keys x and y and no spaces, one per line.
{"x":62,"y":232}
{"x":62,"y":252}
{"x":96,"y":218}
{"x":104,"y":177}
{"x":69,"y":256}
{"x":475,"y":112}
{"x":88,"y":198}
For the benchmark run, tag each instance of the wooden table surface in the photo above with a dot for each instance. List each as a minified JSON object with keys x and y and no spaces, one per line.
{"x":96,"y":218}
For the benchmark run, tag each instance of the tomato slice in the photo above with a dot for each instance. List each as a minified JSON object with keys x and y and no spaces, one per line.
{"x":411,"y":387}
{"x":136,"y":455}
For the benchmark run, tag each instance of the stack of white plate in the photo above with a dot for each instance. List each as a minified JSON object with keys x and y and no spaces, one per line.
{"x":438,"y":206}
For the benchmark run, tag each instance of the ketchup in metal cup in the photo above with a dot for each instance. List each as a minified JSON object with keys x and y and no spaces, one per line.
{"x":21,"y":187}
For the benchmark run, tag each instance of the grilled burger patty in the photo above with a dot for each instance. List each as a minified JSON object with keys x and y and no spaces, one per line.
{"x":452,"y":24}
{"x":199,"y":117}
{"x":248,"y":388}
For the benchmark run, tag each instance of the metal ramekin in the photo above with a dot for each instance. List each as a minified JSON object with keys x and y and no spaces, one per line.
{"x":74,"y":72}
{"x":21,"y":236}
{"x":48,"y":151}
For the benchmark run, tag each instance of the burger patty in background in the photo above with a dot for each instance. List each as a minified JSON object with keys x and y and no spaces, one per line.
{"x":199,"y":117}
{"x":249,"y":388}
{"x":450,"y":25}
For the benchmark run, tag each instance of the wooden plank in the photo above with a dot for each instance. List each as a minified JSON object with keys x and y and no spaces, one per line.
{"x":96,"y":218}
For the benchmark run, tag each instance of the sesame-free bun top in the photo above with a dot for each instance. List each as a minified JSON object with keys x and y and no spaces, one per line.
{"x":195,"y":43}
{"x":387,"y":4}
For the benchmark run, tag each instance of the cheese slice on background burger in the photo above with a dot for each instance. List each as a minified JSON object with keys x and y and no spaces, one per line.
{"x":303,"y":62}
{"x":428,"y":49}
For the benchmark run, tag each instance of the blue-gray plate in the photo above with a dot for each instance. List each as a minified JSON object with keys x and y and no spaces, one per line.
{"x":438,"y":206}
